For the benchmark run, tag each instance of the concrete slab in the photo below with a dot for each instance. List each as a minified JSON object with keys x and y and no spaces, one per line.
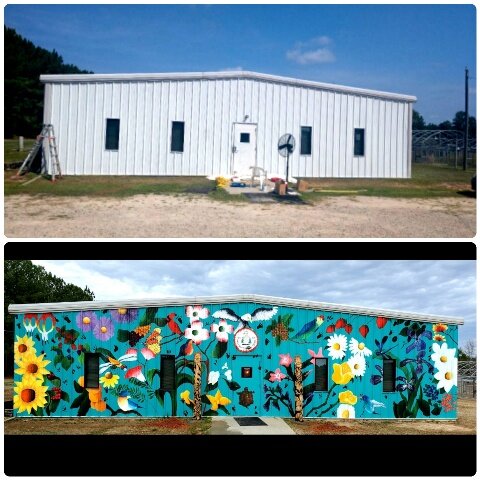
{"x":229,"y":426}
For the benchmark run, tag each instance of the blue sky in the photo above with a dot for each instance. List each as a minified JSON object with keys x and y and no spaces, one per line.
{"x":414,"y":49}
{"x":440,"y":287}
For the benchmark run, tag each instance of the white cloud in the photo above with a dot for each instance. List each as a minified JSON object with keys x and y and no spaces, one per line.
{"x":436,"y":287}
{"x":305,"y":53}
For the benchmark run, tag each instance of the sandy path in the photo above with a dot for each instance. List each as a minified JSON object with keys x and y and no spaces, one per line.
{"x":166,"y":216}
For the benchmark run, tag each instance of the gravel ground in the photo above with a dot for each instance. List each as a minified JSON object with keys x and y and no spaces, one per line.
{"x":189,"y":216}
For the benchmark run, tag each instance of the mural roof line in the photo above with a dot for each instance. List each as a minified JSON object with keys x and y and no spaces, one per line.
{"x":221,"y":299}
{"x":241,"y":74}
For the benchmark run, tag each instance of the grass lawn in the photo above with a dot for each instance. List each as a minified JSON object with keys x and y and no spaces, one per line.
{"x":427,"y":181}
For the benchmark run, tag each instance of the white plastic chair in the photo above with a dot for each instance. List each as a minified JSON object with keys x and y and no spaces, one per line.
{"x":261,"y":174}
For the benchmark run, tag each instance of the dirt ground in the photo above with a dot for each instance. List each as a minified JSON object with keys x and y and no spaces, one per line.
{"x":464,"y":425}
{"x":187,"y":216}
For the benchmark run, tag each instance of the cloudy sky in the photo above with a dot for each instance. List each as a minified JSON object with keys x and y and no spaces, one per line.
{"x":441,"y":287}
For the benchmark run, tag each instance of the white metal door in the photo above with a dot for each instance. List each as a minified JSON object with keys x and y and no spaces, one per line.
{"x":244,"y":147}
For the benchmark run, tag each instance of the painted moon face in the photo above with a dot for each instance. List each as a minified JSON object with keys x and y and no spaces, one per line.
{"x":246,"y":340}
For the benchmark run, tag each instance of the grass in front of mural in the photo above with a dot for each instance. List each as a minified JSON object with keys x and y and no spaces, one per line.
{"x":427,"y":181}
{"x":464,"y":425}
{"x":107,"y":426}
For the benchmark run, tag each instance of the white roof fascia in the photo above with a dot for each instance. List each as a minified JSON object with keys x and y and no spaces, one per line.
{"x":221,"y":299}
{"x":146,"y":77}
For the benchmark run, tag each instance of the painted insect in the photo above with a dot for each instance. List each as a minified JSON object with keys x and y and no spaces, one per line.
{"x":114,"y":363}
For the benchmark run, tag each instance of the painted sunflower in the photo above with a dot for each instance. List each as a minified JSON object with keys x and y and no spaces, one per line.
{"x":109,"y":380}
{"x":30,"y":393}
{"x":32,"y":366}
{"x":23,"y":346}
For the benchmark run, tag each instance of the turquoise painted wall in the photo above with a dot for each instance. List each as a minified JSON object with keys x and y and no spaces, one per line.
{"x":49,"y":362}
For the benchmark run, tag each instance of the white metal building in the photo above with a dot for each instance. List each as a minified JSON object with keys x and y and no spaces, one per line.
{"x":224,"y":122}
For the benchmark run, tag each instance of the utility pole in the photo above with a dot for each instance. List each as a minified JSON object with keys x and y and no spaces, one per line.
{"x":465,"y":146}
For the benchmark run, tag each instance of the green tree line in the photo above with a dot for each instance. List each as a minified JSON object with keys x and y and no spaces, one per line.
{"x":23,"y":95}
{"x":457,"y":123}
{"x":25,"y":282}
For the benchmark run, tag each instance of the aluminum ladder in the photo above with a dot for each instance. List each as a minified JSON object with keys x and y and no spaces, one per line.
{"x":49,"y":134}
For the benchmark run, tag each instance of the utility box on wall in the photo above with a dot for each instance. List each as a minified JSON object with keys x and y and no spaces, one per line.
{"x":137,"y":358}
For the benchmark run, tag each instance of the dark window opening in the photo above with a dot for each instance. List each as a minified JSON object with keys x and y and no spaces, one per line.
{"x":178,"y":135}
{"x":389,"y":369}
{"x":246,"y":372}
{"x":91,"y":373}
{"x":167,"y":373}
{"x":306,"y":141}
{"x":113,"y":133}
{"x":359,"y":147}
{"x":321,"y":374}
{"x":244,"y":138}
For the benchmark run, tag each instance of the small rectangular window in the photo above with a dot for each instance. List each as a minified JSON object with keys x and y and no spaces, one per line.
{"x":321,"y":374}
{"x":306,"y":141}
{"x":389,"y":369}
{"x":91,"y":374}
{"x":113,"y":133}
{"x":167,"y":373}
{"x":359,"y":146}
{"x":244,"y":138}
{"x":246,"y":372}
{"x":178,"y":135}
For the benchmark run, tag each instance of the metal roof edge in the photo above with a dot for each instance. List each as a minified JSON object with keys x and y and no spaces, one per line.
{"x":118,"y":77}
{"x":220,"y":299}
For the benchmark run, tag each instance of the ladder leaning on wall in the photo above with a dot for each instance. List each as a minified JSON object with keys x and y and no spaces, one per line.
{"x":49,"y":134}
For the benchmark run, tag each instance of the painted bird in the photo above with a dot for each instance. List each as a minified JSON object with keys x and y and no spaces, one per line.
{"x":172,"y":325}
{"x":186,"y":349}
{"x":308,"y":329}
{"x":125,"y":403}
{"x":370,"y":405}
{"x":255,"y":316}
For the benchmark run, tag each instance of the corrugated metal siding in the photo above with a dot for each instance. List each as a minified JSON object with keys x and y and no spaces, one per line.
{"x":209,"y":107}
{"x":322,"y":404}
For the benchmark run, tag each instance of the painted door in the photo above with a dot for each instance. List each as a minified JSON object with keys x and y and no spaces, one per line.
{"x":247,"y":370}
{"x":244,"y":147}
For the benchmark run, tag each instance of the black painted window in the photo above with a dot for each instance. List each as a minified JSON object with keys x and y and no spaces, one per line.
{"x":113,"y":133}
{"x":389,"y":369}
{"x":321,"y":374}
{"x":91,"y":373}
{"x":359,"y":147}
{"x":167,"y":373}
{"x":306,"y":141}
{"x":178,"y":135}
{"x":244,"y":138}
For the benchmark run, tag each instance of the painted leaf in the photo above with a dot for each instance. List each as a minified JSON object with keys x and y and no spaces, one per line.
{"x":84,"y":407}
{"x":233,"y":385}
{"x":57,"y":359}
{"x":77,"y":387}
{"x":104,"y":353}
{"x":219,"y":350}
{"x":123,"y":335}
{"x":399,"y":409}
{"x":275,"y":403}
{"x":381,"y":322}
{"x":53,"y":405}
{"x":424,"y":407}
{"x":364,"y":331}
{"x":211,"y":413}
{"x":65,"y":396}
{"x":161,"y":322}
{"x":223,"y":409}
{"x":436,"y":410}
{"x":160,"y":394}
{"x":66,"y":363}
{"x":78,"y":401}
{"x":151,"y":374}
{"x":149,"y":316}
{"x":268,"y":329}
{"x":184,"y":378}
{"x":56,"y":382}
{"x":307,"y":389}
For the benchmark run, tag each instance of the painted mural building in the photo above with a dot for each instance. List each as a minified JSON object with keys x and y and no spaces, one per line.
{"x":257,"y":356}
